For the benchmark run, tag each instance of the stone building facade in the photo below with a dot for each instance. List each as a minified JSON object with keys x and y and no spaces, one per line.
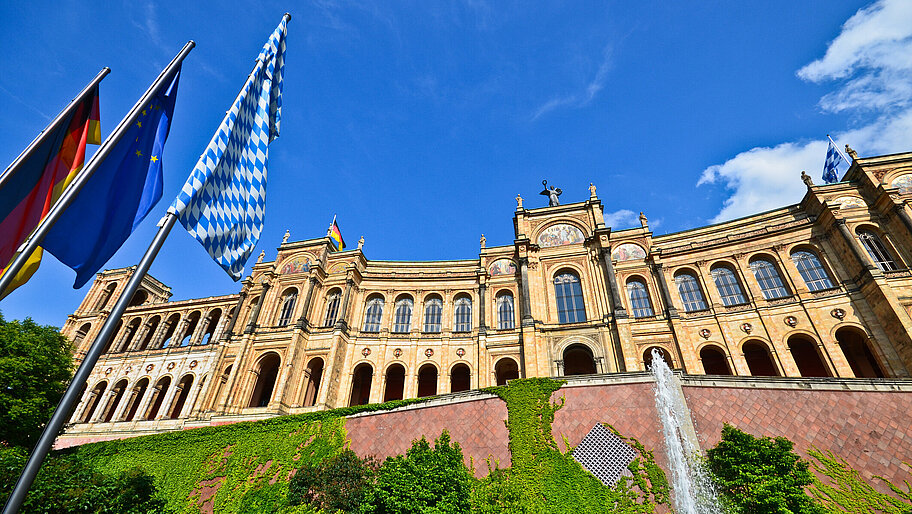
{"x":818,"y":289}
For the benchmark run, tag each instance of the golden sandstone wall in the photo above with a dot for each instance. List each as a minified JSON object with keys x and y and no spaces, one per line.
{"x":817,"y":289}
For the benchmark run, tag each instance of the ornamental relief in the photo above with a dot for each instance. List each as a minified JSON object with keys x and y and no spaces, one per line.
{"x":560,"y":234}
{"x":903,"y":183}
{"x":849,"y":202}
{"x":297,"y":264}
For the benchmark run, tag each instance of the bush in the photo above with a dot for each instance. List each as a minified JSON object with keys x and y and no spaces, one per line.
{"x":427,"y":480}
{"x":761,"y":475}
{"x":339,"y":483}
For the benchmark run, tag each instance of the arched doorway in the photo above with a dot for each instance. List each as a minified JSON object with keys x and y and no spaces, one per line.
{"x":183,"y":388}
{"x":647,"y":357}
{"x":267,"y":372}
{"x":361,"y":384}
{"x":116,"y":396}
{"x":807,"y":357}
{"x":578,"y":360}
{"x":314,"y":375}
{"x":505,"y":369}
{"x":139,"y":391}
{"x":95,"y":397}
{"x":460,"y":379}
{"x":714,"y":361}
{"x":759,"y":361}
{"x":854,"y":344}
{"x":158,"y":396}
{"x":427,"y":380}
{"x":395,"y":382}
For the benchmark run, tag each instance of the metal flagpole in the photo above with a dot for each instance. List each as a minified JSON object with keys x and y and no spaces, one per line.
{"x":846,"y":159}
{"x":71,"y":396}
{"x":52,"y":126}
{"x":69,"y":194}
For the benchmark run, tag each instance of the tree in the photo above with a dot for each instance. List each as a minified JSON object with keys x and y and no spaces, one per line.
{"x":338,"y":483}
{"x":35,"y":364}
{"x":426,"y":480}
{"x":761,"y":475}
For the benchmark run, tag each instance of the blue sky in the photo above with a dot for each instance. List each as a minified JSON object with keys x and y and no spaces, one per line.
{"x":417,"y":123}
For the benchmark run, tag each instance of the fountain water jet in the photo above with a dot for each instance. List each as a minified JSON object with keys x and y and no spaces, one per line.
{"x":693,"y":488}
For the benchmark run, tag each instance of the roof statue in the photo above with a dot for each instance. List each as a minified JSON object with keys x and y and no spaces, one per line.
{"x":852,"y":153}
{"x":806,"y":179}
{"x":361,"y":243}
{"x":551,"y":193}
{"x":643,"y":220}
{"x":519,"y":202}
{"x":260,"y":258}
{"x":591,"y":190}
{"x":483,"y":241}
{"x":286,"y":236}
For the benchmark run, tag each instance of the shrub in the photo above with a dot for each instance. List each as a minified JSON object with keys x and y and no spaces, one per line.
{"x":761,"y":474}
{"x":338,"y":483}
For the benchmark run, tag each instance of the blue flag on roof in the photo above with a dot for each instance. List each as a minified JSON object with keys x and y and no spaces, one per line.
{"x":119,"y":194}
{"x":223,"y":202}
{"x":831,"y":166}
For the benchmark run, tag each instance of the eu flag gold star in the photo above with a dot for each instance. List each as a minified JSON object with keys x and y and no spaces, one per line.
{"x":139,"y":124}
{"x":138,"y":153}
{"x":154,"y":159}
{"x":144,"y":112}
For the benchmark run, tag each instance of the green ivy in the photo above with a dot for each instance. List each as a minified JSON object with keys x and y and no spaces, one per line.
{"x":848,"y":492}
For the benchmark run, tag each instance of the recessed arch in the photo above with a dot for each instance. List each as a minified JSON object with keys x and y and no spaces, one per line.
{"x":170,"y":327}
{"x":462,"y":313}
{"x":714,"y":360}
{"x":506,"y":316}
{"x":402,"y":314}
{"x":759,"y":359}
{"x":373,"y":313}
{"x":855,"y":346}
{"x":158,"y":397}
{"x":136,"y":397}
{"x":361,"y":384}
{"x":95,"y":398}
{"x":117,"y":394}
{"x":578,"y":360}
{"x":190,"y":328}
{"x":433,"y":313}
{"x":395,"y":382}
{"x":151,"y":328}
{"x":769,"y":277}
{"x":689,"y":290}
{"x":314,"y":377}
{"x":666,"y":356}
{"x":183,"y":388}
{"x":811,"y":268}
{"x":212,"y":320}
{"x":728,"y":284}
{"x":81,"y":334}
{"x":132,"y":329}
{"x":460,"y":378}
{"x":427,"y":380}
{"x":333,"y":302}
{"x":267,"y":372}
{"x":806,"y":355}
{"x":568,"y":294}
{"x":287,"y":306}
{"x":505,"y":369}
{"x":139,"y":298}
{"x":106,"y":294}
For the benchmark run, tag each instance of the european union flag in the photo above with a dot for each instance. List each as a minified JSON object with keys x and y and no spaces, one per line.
{"x":118,"y":195}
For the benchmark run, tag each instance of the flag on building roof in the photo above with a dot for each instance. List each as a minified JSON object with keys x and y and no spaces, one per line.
{"x":35,"y":185}
{"x":117,"y":197}
{"x":335,"y":235}
{"x":223,"y":202}
{"x":831,"y":166}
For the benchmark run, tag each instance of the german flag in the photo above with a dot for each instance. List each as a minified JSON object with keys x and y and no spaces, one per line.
{"x":335,"y":235}
{"x":28,"y":195}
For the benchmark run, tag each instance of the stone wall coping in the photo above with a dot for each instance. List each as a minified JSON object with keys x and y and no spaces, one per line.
{"x":437,"y":401}
{"x":897,"y":385}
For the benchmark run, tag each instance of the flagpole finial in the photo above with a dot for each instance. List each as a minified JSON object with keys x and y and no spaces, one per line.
{"x":287,"y":16}
{"x":852,"y":153}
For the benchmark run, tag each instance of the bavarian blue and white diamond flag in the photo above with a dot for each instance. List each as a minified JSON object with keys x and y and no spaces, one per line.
{"x":831,"y":166}
{"x":223,"y":202}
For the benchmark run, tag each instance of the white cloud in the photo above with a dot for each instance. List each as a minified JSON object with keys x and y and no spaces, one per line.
{"x":872,"y":57}
{"x":583,"y":97}
{"x":623,"y":218}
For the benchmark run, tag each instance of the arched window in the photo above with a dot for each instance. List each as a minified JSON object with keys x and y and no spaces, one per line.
{"x":768,"y":277}
{"x":81,"y":334}
{"x":463,"y":315}
{"x":129,"y":334}
{"x":314,"y":377}
{"x":639,"y":298}
{"x":427,"y":380}
{"x":151,"y":329}
{"x":158,"y":396}
{"x":402,"y":321}
{"x":812,"y":272}
{"x":267,"y":373}
{"x":105,"y":296}
{"x":460,"y":378}
{"x":139,"y":392}
{"x":569,"y":295}
{"x":691,"y":295}
{"x":95,"y":397}
{"x":505,"y":369}
{"x":139,"y":298}
{"x":180,"y":399}
{"x":728,"y":286}
{"x":854,"y":345}
{"x":373,"y":314}
{"x":878,"y":252}
{"x":193,"y":320}
{"x":433,"y":314}
{"x":505,"y":317}
{"x":647,"y":357}
{"x":759,"y":361}
{"x":288,"y":304}
{"x":395,"y":382}
{"x":361,"y":384}
{"x":333,"y":301}
{"x":170,"y":327}
{"x":578,"y":360}
{"x":211,"y":323}
{"x":714,"y":361}
{"x":807,"y":358}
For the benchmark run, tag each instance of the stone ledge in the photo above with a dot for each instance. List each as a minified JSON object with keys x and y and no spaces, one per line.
{"x":802,"y":383}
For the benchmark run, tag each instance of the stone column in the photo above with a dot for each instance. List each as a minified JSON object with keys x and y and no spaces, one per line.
{"x":611,"y":282}
{"x":125,"y":400}
{"x":526,"y":300}
{"x":107,"y":400}
{"x":855,"y":246}
{"x":903,"y":213}
{"x":226,"y":335}
{"x":255,"y":315}
{"x":342,"y":322}
{"x":303,"y":323}
{"x":659,"y":274}
{"x":482,"y":326}
{"x":140,"y":335}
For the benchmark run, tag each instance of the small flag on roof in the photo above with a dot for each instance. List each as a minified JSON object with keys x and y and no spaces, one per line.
{"x":335,"y":235}
{"x":831,"y":166}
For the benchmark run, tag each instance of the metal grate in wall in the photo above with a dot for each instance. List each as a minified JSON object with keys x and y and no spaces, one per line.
{"x":605,"y":455}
